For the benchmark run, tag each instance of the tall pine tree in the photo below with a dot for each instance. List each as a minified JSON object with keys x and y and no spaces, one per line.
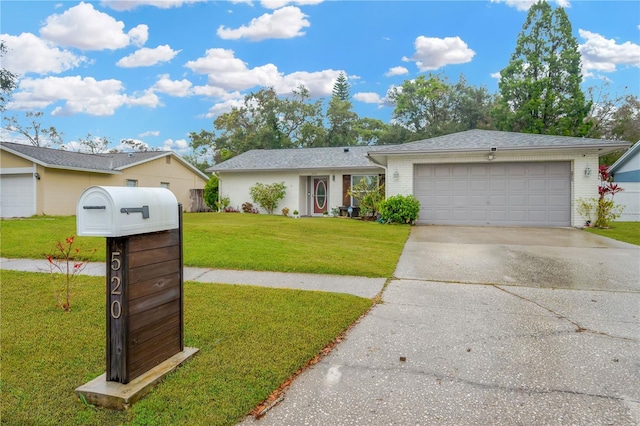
{"x":540,"y":88}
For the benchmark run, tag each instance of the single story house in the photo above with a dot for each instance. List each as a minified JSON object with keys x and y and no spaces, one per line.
{"x":317,"y":179}
{"x":626,"y":173}
{"x":476,"y":177}
{"x":36,"y":180}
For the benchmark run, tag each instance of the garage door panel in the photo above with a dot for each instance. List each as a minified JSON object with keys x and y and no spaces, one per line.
{"x":479,"y":185}
{"x":460,"y":185}
{"x":537,"y":185}
{"x":497,"y":185}
{"x":517,"y":185}
{"x":508,"y":194}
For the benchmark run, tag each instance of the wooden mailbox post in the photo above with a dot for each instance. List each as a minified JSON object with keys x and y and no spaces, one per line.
{"x":144,"y":278}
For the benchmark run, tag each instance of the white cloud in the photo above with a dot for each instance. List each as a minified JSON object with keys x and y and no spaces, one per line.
{"x":276,"y":4}
{"x":147,"y":57}
{"x":524,"y":5}
{"x":283,"y":23}
{"x":28,"y":53}
{"x":181,"y":145}
{"x":85,"y":28}
{"x":79,"y":95}
{"x":222,"y":107}
{"x":148,"y":99}
{"x":319,"y":83}
{"x":496,"y":75}
{"x":226,"y":72}
{"x":122,"y":5}
{"x":604,"y":55}
{"x":396,"y":71}
{"x":150,"y":133}
{"x":368,"y":97}
{"x":433,"y":53}
{"x":173,"y":87}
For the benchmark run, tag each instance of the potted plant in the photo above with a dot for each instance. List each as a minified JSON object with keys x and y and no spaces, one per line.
{"x":295,"y":214}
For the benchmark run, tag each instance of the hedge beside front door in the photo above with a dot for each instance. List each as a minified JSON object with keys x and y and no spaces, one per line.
{"x":499,"y":194}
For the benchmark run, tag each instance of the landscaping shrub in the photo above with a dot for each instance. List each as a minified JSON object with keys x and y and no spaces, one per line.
{"x":268,"y":196}
{"x":400,"y":209}
{"x":211,"y":192}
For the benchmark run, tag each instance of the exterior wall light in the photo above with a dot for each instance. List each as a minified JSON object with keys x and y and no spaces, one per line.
{"x":37,"y":175}
{"x":587,"y":171}
{"x":396,"y":174}
{"x":490,"y":157}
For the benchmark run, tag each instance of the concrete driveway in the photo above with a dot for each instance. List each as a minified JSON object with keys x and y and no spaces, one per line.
{"x":487,"y":326}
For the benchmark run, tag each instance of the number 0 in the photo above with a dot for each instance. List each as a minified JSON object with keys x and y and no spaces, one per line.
{"x":116,"y":309}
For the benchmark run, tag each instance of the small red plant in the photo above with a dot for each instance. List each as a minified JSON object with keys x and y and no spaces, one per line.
{"x":606,"y":209}
{"x":65,"y":260}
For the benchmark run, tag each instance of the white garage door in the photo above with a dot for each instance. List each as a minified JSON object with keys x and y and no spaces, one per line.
{"x":17,"y":195}
{"x":499,"y":194}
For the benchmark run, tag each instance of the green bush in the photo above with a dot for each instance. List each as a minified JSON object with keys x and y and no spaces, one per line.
{"x":268,"y":196}
{"x":400,"y":209}
{"x":211,"y":192}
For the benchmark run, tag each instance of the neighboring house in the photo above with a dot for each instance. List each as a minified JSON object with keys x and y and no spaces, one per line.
{"x":477,"y":177}
{"x":317,"y":179}
{"x":35,"y":180}
{"x":626,"y":173}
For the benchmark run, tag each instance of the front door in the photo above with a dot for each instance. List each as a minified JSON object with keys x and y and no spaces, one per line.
{"x":320,"y":195}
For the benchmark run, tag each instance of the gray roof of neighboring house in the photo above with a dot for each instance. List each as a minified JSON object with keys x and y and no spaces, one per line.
{"x":98,"y":163}
{"x":625,"y":157}
{"x":297,"y":158}
{"x":484,"y":140}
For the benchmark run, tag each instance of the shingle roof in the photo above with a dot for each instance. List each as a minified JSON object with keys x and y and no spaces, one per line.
{"x":298,"y":158}
{"x":100,"y":163}
{"x":625,"y":157}
{"x":484,"y":140}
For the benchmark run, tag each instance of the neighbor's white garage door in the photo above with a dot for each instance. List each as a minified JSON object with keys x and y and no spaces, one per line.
{"x":17,"y":195}
{"x":502,"y":194}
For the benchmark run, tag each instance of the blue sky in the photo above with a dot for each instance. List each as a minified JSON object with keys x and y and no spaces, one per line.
{"x":155,"y":70}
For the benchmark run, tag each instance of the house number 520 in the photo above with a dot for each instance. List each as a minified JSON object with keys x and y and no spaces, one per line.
{"x":116,"y":264}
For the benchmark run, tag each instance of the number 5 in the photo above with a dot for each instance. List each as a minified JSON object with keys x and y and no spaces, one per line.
{"x":115,"y":262}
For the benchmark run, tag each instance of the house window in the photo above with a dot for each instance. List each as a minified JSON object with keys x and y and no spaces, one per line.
{"x":164,"y":185}
{"x":371,"y":181}
{"x":131,"y":182}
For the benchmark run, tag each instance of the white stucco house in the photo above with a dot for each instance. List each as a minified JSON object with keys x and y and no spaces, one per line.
{"x":626,"y":173}
{"x":476,"y":177}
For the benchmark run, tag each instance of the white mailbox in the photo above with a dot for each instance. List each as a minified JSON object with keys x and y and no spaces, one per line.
{"x":117,"y":211}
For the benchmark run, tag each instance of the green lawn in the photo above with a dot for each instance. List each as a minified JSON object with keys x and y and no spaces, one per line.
{"x":240,"y":241}
{"x":251,"y":340}
{"x":629,"y":232}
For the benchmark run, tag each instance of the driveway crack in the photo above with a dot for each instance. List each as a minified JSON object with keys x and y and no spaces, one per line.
{"x":579,"y":328}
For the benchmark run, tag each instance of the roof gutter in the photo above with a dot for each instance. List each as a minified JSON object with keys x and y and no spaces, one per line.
{"x":498,"y":149}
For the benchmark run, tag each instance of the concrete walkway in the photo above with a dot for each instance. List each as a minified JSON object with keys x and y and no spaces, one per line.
{"x":358,"y":286}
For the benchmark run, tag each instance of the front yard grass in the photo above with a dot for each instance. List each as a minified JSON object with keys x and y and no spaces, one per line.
{"x":629,"y":232}
{"x":240,"y":241}
{"x":251,"y":340}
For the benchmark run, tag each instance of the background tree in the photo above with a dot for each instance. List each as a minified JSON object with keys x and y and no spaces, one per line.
{"x":8,"y":80}
{"x":342,"y":121}
{"x":34,"y":132}
{"x":342,"y":88}
{"x":540,"y":87}
{"x":93,"y":144}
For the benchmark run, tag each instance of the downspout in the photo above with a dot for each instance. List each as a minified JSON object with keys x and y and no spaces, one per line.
{"x":386,"y":176}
